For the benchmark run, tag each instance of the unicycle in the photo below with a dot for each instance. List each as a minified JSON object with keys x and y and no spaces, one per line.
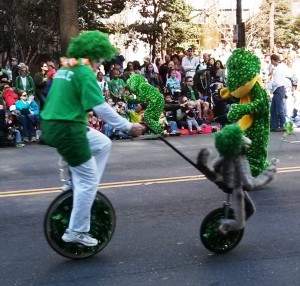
{"x":212,"y":238}
{"x":103,"y":223}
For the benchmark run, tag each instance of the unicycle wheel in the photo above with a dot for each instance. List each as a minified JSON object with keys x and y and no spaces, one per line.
{"x":103,"y":222}
{"x":212,"y":238}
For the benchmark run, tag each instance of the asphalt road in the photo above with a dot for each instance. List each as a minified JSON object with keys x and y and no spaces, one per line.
{"x":160,"y":202}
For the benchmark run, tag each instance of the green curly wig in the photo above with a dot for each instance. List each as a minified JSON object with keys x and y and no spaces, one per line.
{"x":229,"y":141}
{"x":93,"y":45}
{"x":134,"y":83}
{"x":241,"y":66}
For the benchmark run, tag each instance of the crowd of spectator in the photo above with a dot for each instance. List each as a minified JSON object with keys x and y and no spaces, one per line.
{"x":189,"y":83}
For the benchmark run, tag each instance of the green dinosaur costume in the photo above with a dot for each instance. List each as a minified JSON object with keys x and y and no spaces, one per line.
{"x":147,"y":93}
{"x":253,"y":112}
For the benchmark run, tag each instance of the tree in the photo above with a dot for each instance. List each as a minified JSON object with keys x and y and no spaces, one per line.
{"x":30,"y":28}
{"x":68,"y":19}
{"x":258,"y":28}
{"x":162,"y":25}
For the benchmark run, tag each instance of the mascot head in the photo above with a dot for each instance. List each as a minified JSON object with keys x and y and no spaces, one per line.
{"x":93,"y":45}
{"x":230,"y":141}
{"x":242,"y":66}
{"x":134,"y":83}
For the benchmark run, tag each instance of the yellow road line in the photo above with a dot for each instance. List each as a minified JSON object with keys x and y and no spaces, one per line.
{"x":144,"y":182}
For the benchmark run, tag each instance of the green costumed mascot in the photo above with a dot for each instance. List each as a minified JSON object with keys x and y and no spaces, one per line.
{"x":149,"y":94}
{"x":253,"y":111}
{"x":74,"y":93}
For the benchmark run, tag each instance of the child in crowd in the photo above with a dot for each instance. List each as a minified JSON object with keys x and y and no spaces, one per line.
{"x":94,"y":122}
{"x":173,"y":83}
{"x":102,"y":84}
{"x":10,"y":96}
{"x":189,"y":108}
{"x":8,"y":132}
{"x":116,"y":85}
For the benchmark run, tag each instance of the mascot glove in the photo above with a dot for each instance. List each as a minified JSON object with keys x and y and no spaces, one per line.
{"x":237,"y":111}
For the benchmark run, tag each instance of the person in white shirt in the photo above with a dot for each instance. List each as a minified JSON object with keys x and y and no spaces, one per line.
{"x":189,"y":63}
{"x":279,"y":77}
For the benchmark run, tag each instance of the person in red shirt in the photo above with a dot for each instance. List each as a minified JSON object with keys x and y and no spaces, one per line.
{"x":9,"y":96}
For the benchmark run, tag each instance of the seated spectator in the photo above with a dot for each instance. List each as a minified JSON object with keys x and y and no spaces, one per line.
{"x":189,"y":90}
{"x":10,"y":96}
{"x":8,"y":133}
{"x":103,"y":84}
{"x":152,"y":77}
{"x":111,"y":132}
{"x":219,"y":71}
{"x":171,"y":67}
{"x":116,"y":85}
{"x":2,"y":102}
{"x":173,"y":83}
{"x":171,"y":108}
{"x":188,"y":107}
{"x":137,"y":115}
{"x":94,"y":122}
{"x":29,"y":116}
{"x":4,"y":76}
{"x":177,"y":66}
{"x":40,"y":81}
{"x":25,"y":81}
{"x":128,"y":71}
{"x":137,"y":67}
{"x":50,"y":74}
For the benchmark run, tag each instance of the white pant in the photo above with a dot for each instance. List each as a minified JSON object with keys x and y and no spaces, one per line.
{"x":85,"y":180}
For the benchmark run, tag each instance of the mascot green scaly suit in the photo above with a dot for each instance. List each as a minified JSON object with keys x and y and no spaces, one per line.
{"x":147,"y":93}
{"x":253,"y":112}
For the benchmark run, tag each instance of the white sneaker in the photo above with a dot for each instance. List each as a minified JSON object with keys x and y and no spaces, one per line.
{"x":79,"y":237}
{"x":67,"y":186}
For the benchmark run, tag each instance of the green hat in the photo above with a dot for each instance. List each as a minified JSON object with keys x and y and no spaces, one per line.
{"x":93,"y":45}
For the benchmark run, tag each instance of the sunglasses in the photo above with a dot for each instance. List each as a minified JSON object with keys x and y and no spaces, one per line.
{"x":24,"y":94}
{"x":14,"y":60}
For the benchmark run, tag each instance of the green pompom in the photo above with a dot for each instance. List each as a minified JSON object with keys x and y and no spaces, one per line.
{"x":229,"y":141}
{"x":93,"y":45}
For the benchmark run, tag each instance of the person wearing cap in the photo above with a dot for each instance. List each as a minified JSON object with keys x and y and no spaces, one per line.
{"x":189,"y":63}
{"x":279,"y":78}
{"x":73,"y":94}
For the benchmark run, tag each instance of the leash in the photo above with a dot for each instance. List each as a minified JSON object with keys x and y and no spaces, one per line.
{"x":160,"y":137}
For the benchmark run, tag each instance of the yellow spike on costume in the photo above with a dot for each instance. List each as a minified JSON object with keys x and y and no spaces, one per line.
{"x":244,"y":94}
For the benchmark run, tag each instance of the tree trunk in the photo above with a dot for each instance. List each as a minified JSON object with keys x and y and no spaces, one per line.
{"x":271,"y":20}
{"x":68,"y":20}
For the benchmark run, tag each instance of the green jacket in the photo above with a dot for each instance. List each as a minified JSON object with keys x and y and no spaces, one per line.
{"x":30,"y":87}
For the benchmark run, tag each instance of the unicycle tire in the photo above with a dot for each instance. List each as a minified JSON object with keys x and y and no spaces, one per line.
{"x":212,"y":238}
{"x":103,"y":223}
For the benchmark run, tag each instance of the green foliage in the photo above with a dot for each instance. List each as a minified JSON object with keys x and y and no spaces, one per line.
{"x":91,"y":13}
{"x":163,"y":24}
{"x":29,"y":28}
{"x":286,"y":27}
